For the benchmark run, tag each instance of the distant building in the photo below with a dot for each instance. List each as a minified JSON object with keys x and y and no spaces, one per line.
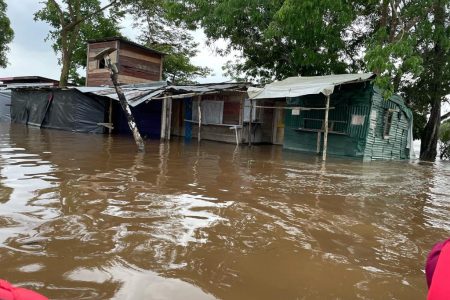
{"x":136,"y":63}
{"x":8,"y":83}
{"x":27,"y":81}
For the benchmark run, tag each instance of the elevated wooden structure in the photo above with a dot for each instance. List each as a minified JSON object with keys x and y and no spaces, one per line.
{"x":135,"y":63}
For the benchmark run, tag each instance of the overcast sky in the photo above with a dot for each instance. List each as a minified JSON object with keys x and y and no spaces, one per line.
{"x":30,"y":54}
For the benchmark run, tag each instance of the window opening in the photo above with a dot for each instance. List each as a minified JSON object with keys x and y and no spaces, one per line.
{"x":102,"y":64}
{"x":387,"y":123}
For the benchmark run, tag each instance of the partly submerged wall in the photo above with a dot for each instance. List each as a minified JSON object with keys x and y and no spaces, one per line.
{"x":389,"y":131}
{"x":5,"y":105}
{"x":348,"y":121}
{"x":58,"y":109}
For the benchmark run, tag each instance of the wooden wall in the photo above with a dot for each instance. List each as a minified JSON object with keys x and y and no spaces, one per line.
{"x":135,"y":65}
{"x":395,"y":145}
{"x":94,"y":75}
{"x":232,"y":115}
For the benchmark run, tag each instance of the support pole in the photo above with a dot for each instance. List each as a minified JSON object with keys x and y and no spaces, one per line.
{"x":110,"y":116}
{"x":325,"y":136}
{"x":199,"y":106}
{"x":250,"y":123}
{"x":125,"y":106}
{"x":319,"y":140}
{"x":169,"y":118}
{"x":163,"y":119}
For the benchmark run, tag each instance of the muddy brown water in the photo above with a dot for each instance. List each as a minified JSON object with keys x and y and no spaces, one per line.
{"x":86,"y":217}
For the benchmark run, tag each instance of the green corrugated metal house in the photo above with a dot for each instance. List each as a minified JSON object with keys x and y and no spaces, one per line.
{"x":361,"y":123}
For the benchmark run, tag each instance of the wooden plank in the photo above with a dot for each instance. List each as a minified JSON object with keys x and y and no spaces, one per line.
{"x":126,"y":77}
{"x":140,"y":56}
{"x":138,"y":50}
{"x":131,"y":79}
{"x":139,"y":64}
{"x":101,"y":45}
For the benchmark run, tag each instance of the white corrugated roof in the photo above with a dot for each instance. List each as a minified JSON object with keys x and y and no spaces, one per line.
{"x":300,"y":86}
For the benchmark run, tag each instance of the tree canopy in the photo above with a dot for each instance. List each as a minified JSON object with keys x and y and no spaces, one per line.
{"x":276,"y":38}
{"x":6,"y":34}
{"x":405,"y":42}
{"x":74,"y":22}
{"x":161,"y":32}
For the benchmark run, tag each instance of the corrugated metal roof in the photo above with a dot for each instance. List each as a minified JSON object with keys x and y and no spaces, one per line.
{"x":300,"y":86}
{"x":126,"y":41}
{"x":138,"y":93}
{"x":135,"y":94}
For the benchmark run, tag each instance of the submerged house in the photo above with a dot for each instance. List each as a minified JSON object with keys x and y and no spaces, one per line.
{"x":344,"y":115}
{"x":162,"y":111}
{"x":8,"y":83}
{"x":5,"y":104}
{"x":75,"y":109}
{"x":206,"y":111}
{"x":65,"y":109}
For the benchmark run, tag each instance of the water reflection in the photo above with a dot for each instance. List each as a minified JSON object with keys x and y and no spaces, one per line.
{"x":84,"y":216}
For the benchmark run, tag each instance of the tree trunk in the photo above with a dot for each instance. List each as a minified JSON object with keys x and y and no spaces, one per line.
{"x":64,"y":78}
{"x":65,"y":60}
{"x":430,"y":136}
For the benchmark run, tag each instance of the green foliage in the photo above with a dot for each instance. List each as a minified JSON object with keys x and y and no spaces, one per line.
{"x":391,"y":42}
{"x":74,"y":23}
{"x":444,"y":134}
{"x":276,"y":38}
{"x":163,"y":33}
{"x":159,"y":32}
{"x":444,"y":137}
{"x":6,"y":34}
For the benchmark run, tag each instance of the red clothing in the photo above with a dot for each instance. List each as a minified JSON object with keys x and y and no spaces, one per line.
{"x":438,"y":271}
{"x":9,"y":292}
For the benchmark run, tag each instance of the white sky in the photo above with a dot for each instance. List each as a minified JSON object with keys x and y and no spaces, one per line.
{"x":30,"y":54}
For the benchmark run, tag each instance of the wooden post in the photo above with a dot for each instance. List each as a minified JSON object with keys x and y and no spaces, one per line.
{"x":325,"y":136}
{"x":250,"y":123}
{"x":319,"y":139}
{"x":199,"y":106}
{"x":163,"y":119}
{"x":110,"y":116}
{"x":125,"y":106}
{"x":169,"y":117}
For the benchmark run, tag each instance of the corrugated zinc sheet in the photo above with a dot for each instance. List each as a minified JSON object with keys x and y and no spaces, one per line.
{"x":393,"y":146}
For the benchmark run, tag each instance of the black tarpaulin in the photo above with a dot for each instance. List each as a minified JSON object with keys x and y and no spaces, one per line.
{"x":58,"y":109}
{"x":5,"y":105}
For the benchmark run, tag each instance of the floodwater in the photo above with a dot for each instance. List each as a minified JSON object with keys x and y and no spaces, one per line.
{"x":86,"y":217}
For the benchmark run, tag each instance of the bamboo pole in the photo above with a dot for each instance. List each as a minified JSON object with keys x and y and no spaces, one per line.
{"x":199,"y":106}
{"x":325,"y":136}
{"x":250,"y":123}
{"x":319,"y":139}
{"x":110,"y":115}
{"x":163,"y":119}
{"x":169,"y":118}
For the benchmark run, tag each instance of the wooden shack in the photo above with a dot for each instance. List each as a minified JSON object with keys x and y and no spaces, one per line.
{"x":342,"y":115}
{"x":136,"y":63}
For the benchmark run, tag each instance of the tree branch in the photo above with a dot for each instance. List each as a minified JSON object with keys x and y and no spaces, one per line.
{"x":71,"y":25}
{"x":445,"y":116}
{"x":60,"y":13}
